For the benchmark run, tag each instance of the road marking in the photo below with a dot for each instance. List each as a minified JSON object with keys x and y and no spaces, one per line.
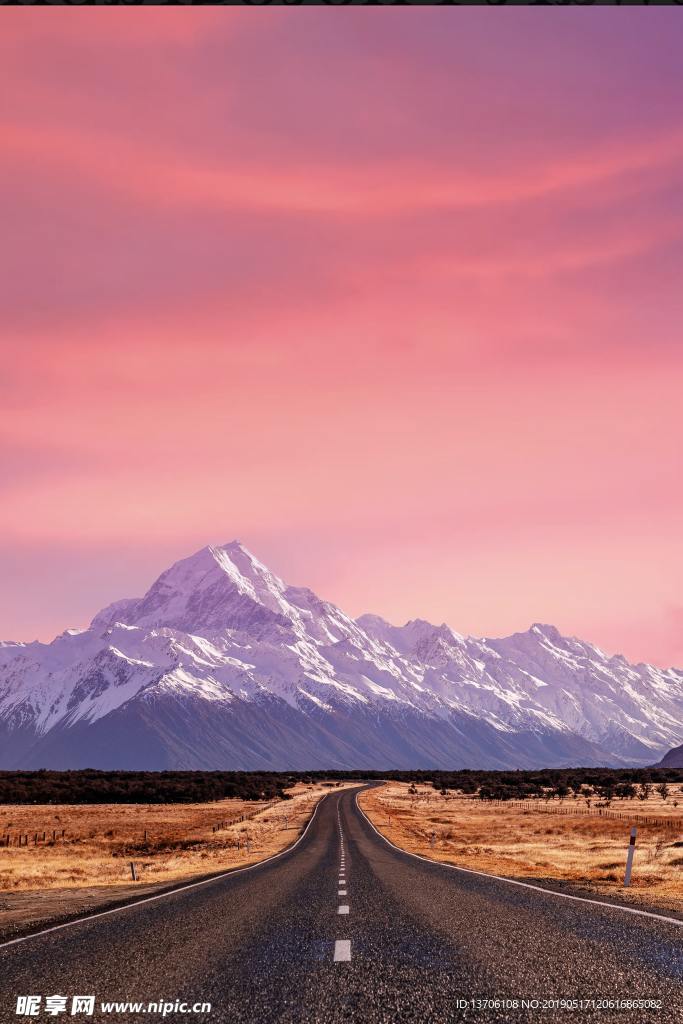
{"x":523,"y":885}
{"x":343,"y":908}
{"x":341,"y":892}
{"x":342,"y":950}
{"x":171,"y":892}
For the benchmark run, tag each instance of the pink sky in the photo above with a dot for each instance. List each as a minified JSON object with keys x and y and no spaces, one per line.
{"x":392,"y":297}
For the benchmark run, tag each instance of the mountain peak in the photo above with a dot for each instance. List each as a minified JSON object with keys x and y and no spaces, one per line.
{"x":231,"y":548}
{"x":240,"y":666}
{"x":235,"y":554}
{"x":546,"y":630}
{"x":218,"y":587}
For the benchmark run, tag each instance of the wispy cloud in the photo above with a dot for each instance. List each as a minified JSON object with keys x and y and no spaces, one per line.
{"x":402,"y":297}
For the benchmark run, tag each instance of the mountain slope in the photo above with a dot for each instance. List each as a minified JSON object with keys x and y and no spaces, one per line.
{"x":222,"y":665}
{"x":674,"y":758}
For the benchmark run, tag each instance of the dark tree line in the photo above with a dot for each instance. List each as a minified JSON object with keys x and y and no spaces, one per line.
{"x":92,"y":787}
{"x":102,"y":787}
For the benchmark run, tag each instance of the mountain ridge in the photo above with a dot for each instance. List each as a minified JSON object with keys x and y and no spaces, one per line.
{"x":672,"y":759}
{"x":221,"y":664}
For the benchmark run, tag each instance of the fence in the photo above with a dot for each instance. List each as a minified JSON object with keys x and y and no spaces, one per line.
{"x":589,"y":812}
{"x":245,"y":817}
{"x":38,"y":838}
{"x":53,"y":836}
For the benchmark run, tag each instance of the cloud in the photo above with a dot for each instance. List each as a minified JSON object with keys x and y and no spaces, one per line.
{"x":386,"y":294}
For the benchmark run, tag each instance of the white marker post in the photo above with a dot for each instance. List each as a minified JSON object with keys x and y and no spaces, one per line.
{"x":629,"y":857}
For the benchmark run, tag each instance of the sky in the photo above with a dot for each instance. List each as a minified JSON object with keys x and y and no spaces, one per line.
{"x":393,"y":297}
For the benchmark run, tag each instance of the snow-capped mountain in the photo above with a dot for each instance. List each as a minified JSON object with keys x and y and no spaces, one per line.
{"x":222,"y":665}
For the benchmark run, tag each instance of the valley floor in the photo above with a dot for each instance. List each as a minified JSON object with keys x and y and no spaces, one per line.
{"x":544,"y":844}
{"x":89,"y":867}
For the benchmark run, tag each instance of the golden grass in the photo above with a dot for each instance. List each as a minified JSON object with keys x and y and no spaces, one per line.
{"x":102,"y":839}
{"x":520,"y":843}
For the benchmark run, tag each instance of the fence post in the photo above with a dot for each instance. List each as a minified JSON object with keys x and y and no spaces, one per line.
{"x":629,"y":857}
{"x":133,"y":872}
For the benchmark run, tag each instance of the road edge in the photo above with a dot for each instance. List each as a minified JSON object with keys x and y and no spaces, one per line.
{"x":524,"y":885}
{"x":168,"y":892}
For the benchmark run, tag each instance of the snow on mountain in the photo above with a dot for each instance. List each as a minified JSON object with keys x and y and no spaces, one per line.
{"x":222,"y":665}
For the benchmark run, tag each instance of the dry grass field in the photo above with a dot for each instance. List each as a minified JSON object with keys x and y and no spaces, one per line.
{"x":90,"y":866}
{"x":166,"y":841}
{"x":588,"y":851}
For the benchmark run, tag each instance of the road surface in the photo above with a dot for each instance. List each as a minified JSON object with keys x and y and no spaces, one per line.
{"x":344,"y":928}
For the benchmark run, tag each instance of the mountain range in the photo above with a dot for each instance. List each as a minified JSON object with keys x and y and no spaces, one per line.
{"x":221,"y":665}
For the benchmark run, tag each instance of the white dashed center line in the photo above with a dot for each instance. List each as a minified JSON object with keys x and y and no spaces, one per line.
{"x":342,"y":950}
{"x":342,"y":947}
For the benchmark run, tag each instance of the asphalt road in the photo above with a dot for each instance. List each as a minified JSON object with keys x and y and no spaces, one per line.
{"x":417,"y":942}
